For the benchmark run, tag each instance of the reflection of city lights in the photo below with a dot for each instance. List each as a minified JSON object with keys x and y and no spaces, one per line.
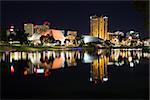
{"x":137,"y":61}
{"x":121,"y":63}
{"x":16,"y":55}
{"x":90,"y":78}
{"x":110,"y":63}
{"x":130,"y":59}
{"x":12,"y":69}
{"x":117,"y":64}
{"x":105,"y":79}
{"x":57,"y":63}
{"x":39,"y":70}
{"x":87,"y":58}
{"x":63,"y":58}
{"x":11,"y":57}
{"x":3,"y":57}
{"x":54,"y":60}
{"x":46,"y":73}
{"x":11,"y":30}
{"x":130,"y":38}
{"x":129,"y":53}
{"x":131,"y":64}
{"x":34,"y":69}
{"x":25,"y":72}
{"x":34,"y":57}
{"x":24,"y":55}
{"x":19,"y":55}
{"x":147,"y":55}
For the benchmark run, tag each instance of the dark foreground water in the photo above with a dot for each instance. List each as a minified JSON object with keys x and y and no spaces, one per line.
{"x":116,"y":73}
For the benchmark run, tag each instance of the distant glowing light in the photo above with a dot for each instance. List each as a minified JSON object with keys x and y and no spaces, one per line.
{"x":90,"y":17}
{"x":130,"y":59}
{"x":46,"y":74}
{"x":110,"y":63}
{"x":11,"y":30}
{"x":137,"y":61}
{"x":16,"y":55}
{"x":34,"y":69}
{"x":25,"y":72}
{"x":40,"y":71}
{"x":90,"y":78}
{"x":105,"y":79}
{"x":117,"y":64}
{"x":87,"y":58}
{"x":11,"y":26}
{"x":131,"y":31}
{"x":131,"y":64}
{"x":130,"y":37}
{"x":95,"y":82}
{"x":12,"y":69}
{"x":105,"y":17}
{"x":88,"y":39}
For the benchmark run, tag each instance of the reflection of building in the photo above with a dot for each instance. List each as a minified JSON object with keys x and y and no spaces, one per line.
{"x":99,"y":27}
{"x":29,"y":28}
{"x":132,"y":56}
{"x":99,"y":69}
{"x":71,"y":58}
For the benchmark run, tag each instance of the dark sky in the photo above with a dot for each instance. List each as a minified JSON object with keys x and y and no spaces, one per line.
{"x":74,"y":15}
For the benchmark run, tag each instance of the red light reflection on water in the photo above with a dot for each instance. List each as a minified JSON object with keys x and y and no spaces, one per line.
{"x":12,"y":69}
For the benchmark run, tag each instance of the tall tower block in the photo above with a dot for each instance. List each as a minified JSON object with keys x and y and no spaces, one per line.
{"x":94,"y":26}
{"x":99,"y":27}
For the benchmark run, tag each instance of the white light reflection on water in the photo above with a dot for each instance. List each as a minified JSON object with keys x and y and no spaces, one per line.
{"x":99,"y":63}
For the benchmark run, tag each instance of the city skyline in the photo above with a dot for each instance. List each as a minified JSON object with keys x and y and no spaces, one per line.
{"x":74,"y":15}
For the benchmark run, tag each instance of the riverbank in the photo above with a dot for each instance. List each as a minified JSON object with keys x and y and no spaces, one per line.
{"x":31,"y":48}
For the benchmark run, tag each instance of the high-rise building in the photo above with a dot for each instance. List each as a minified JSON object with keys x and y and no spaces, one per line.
{"x":94,"y":26}
{"x":106,"y":28}
{"x":29,"y":28}
{"x":99,"y":27}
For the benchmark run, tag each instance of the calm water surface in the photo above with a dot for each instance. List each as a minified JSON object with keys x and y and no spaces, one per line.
{"x":115,"y":73}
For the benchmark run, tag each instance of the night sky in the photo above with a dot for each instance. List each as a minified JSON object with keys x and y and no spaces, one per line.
{"x":123,"y":16}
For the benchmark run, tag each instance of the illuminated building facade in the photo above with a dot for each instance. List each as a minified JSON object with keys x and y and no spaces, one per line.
{"x":99,"y":27}
{"x":71,"y":37}
{"x":57,"y":34}
{"x":11,"y":30}
{"x":42,"y":28}
{"x":29,"y":28}
{"x":73,"y":33}
{"x":94,"y":26}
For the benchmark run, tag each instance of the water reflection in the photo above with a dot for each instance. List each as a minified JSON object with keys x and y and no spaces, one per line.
{"x":46,"y":61}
